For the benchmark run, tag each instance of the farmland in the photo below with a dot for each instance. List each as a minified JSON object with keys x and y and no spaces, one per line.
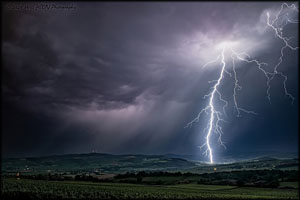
{"x":105,"y":176}
{"x":42,"y":189}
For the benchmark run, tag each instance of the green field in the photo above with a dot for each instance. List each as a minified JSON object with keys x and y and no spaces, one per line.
{"x":289,"y":184}
{"x":41,"y":189}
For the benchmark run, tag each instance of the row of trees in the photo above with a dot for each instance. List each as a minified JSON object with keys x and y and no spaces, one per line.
{"x":257,"y":178}
{"x":153,"y":174}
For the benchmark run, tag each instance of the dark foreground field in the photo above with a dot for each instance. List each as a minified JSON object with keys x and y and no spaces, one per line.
{"x":43,"y":189}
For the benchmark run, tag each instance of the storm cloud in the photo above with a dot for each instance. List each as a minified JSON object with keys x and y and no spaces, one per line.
{"x":128,"y":77}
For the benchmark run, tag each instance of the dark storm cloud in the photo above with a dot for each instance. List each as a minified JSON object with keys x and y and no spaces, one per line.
{"x":125,"y":76}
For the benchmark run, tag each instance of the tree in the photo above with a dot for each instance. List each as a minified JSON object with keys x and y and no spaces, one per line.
{"x":139,"y":179}
{"x":240,"y":182}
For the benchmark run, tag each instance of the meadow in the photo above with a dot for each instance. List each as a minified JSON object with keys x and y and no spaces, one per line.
{"x":13,"y":188}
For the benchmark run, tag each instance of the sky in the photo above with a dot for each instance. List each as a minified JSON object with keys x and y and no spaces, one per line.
{"x":128,"y":77}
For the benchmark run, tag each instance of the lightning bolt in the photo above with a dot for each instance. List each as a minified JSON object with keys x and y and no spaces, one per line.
{"x":215,"y":116}
{"x":279,"y":34}
{"x":212,"y":109}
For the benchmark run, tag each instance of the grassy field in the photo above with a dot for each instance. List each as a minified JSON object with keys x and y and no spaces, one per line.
{"x":289,"y":184}
{"x":40,"y":189}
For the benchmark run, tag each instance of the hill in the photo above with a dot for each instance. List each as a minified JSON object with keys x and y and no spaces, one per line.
{"x":95,"y":162}
{"x":108,"y":163}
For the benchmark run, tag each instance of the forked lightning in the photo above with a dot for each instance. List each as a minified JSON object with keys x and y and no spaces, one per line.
{"x":215,"y":115}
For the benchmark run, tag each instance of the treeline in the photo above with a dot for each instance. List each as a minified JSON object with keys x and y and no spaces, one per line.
{"x":255,"y":178}
{"x":153,"y":174}
{"x":288,"y":175}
